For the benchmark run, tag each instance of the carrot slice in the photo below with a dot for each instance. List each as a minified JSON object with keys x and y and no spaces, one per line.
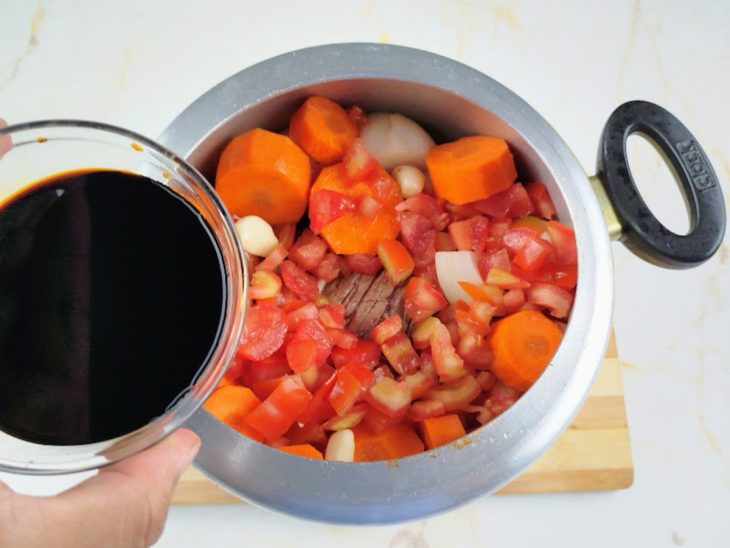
{"x":323,"y":129}
{"x":471,"y":168}
{"x":231,"y":404}
{"x":303,"y":450}
{"x":265,"y":174}
{"x":354,"y":233}
{"x":523,"y":344}
{"x":439,"y":431}
{"x":395,"y":442}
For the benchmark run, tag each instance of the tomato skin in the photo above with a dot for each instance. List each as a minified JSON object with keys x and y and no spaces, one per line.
{"x":326,"y":206}
{"x":278,"y":412}
{"x":557,"y":300}
{"x":448,"y":363}
{"x":319,"y":408}
{"x":389,"y":396}
{"x":540,"y":198}
{"x":513,"y":202}
{"x":332,"y":315}
{"x":427,"y":207}
{"x":456,"y":394}
{"x":364,"y":264}
{"x":358,"y":164}
{"x":329,"y":268}
{"x":364,"y":376}
{"x":366,"y":353}
{"x":421,"y":299}
{"x":308,"y":251}
{"x":263,"y":332}
{"x":345,"y":392}
{"x":298,"y":282}
{"x":399,"y":352}
{"x":312,"y":331}
{"x":301,"y":355}
{"x":563,"y":239}
{"x":426,"y":409}
{"x":389,"y":327}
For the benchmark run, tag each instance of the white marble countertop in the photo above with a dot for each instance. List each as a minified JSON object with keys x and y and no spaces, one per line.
{"x":137,"y":64}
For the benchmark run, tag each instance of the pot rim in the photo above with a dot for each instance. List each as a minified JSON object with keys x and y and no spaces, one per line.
{"x":446,"y":477}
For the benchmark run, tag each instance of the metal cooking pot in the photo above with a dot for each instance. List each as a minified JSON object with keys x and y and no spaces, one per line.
{"x":452,"y":100}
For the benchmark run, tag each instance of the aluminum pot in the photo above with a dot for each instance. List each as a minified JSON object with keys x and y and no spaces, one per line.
{"x":452,"y":100}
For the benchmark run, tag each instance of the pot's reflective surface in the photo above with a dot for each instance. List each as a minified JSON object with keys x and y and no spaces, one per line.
{"x":450,"y":100}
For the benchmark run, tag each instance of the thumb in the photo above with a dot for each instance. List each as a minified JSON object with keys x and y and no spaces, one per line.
{"x":126,"y":503}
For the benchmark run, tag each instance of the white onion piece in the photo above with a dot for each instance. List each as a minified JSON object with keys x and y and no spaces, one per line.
{"x":453,"y":267}
{"x":394,"y":140}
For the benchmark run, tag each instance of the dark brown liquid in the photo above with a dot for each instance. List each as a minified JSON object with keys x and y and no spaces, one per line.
{"x":111,"y":299}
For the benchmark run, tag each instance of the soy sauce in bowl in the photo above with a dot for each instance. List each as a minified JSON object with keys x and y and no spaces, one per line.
{"x":112,"y":297}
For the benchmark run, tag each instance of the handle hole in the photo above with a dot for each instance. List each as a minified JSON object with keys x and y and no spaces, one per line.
{"x":658,"y":183}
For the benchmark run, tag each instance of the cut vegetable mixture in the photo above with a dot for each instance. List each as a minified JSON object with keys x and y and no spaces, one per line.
{"x":416,"y":306}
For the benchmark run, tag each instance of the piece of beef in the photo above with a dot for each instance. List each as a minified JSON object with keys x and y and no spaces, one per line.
{"x":367,"y":301}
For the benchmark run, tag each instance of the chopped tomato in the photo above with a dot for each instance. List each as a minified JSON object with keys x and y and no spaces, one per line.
{"x":444,"y":242}
{"x":421,"y":299}
{"x":299,"y":282}
{"x":345,"y":392}
{"x":389,"y":327}
{"x":326,"y":206}
{"x":265,"y":387}
{"x":364,"y":376}
{"x":505,"y":280}
{"x":349,"y":420}
{"x":513,"y":300}
{"x":328,"y":268}
{"x":319,"y":408}
{"x":418,"y":237}
{"x":278,"y":412}
{"x":308,"y":311}
{"x":358,"y":116}
{"x":475,"y":351}
{"x":563,"y":276}
{"x":389,"y":396}
{"x":312,"y":331}
{"x":332,"y":315}
{"x":264,"y":331}
{"x":396,"y":260}
{"x":532,"y":254}
{"x":400,"y":353}
{"x":427,"y":207}
{"x":308,"y":251}
{"x":364,"y":264}
{"x":501,"y":398}
{"x":274,"y":259}
{"x":557,"y":300}
{"x":301,"y":355}
{"x":540,"y":198}
{"x":342,"y":338}
{"x":366,"y":353}
{"x":563,"y":239}
{"x":494,"y":258}
{"x":268,"y":368}
{"x":358,"y":163}
{"x":470,"y":234}
{"x":448,"y":363}
{"x":419,"y":383}
{"x":513,"y":202}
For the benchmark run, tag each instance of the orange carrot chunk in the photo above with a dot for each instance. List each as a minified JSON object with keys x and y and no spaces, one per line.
{"x":354,"y":233}
{"x":523,"y":344}
{"x":265,"y":174}
{"x":441,"y":430}
{"x":303,"y":450}
{"x":395,"y":442}
{"x":323,"y":129}
{"x":471,"y":168}
{"x":231,"y":404}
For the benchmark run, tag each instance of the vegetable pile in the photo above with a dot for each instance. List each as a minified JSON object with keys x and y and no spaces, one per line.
{"x":480,"y":277}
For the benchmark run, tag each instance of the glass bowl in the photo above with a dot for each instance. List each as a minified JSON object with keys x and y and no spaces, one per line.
{"x":35,"y":150}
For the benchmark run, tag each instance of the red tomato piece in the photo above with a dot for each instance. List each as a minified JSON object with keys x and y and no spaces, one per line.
{"x":513,"y":300}
{"x":265,"y":387}
{"x":380,"y":422}
{"x":448,"y":363}
{"x":486,"y":380}
{"x":366,"y":353}
{"x":533,"y":254}
{"x":540,"y":198}
{"x":263,"y":332}
{"x":493,"y":258}
{"x":389,"y":327}
{"x":358,"y":163}
{"x":268,"y":368}
{"x":513,"y":202}
{"x":364,"y":376}
{"x":399,"y":352}
{"x":312,"y":330}
{"x":504,"y":279}
{"x":471,"y":234}
{"x":396,"y":260}
{"x":326,"y":206}
{"x":345,"y":392}
{"x":418,"y":237}
{"x":307,"y":311}
{"x":562,"y":276}
{"x":557,"y":300}
{"x":358,"y":116}
{"x":421,"y":299}
{"x":274,"y":259}
{"x":319,"y":408}
{"x":501,"y":398}
{"x":299,"y":282}
{"x":420,"y":382}
{"x":342,"y":338}
{"x":563,"y":239}
{"x":475,"y":351}
{"x":426,"y":409}
{"x":444,"y":242}
{"x":301,"y":355}
{"x":332,"y":315}
{"x":364,"y":264}
{"x":278,"y":412}
{"x":329,"y":268}
{"x":427,"y":207}
{"x":389,"y":396}
{"x":308,"y":251}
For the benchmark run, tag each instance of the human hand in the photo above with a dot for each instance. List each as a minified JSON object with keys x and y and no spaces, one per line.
{"x":5,"y":142}
{"x":124,"y":505}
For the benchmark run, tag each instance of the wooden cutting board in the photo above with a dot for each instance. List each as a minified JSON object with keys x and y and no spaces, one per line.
{"x":594,"y":453}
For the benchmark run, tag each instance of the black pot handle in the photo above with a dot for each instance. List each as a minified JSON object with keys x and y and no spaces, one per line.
{"x":643,"y":233}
